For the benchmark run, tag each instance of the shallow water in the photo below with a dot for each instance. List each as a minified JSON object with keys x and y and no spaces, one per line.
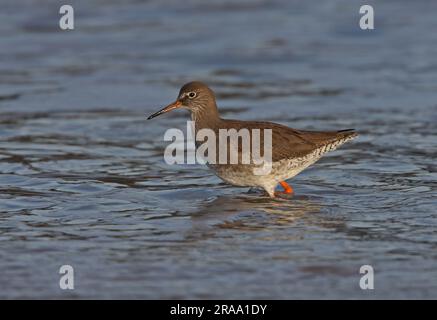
{"x":83,"y":180}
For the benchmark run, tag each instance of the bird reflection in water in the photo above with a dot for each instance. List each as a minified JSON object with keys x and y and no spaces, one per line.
{"x":249,"y":211}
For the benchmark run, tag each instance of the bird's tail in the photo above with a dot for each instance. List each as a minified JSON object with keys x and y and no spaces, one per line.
{"x":341,"y":137}
{"x":347,"y":134}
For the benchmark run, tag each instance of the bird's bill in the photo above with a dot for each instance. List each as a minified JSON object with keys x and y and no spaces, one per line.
{"x":175,"y":105}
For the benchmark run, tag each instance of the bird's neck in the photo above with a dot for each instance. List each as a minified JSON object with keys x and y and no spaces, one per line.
{"x":206,"y":118}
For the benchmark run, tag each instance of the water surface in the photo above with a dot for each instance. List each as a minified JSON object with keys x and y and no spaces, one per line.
{"x":82,"y":175}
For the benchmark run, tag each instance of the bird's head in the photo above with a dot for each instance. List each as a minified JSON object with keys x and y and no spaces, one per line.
{"x":194,"y":96}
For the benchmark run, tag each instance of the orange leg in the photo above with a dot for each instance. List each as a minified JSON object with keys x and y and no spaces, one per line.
{"x":287,"y":188}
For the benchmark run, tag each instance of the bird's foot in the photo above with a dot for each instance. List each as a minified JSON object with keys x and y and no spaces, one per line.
{"x":288,"y":190}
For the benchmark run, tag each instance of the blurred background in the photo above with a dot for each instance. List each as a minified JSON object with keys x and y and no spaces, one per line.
{"x":83,"y":180}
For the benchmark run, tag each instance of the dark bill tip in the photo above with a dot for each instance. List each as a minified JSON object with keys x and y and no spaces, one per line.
{"x":154,"y":115}
{"x":174,"y":105}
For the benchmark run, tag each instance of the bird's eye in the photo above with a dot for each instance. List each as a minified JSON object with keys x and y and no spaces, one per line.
{"x":192,"y":95}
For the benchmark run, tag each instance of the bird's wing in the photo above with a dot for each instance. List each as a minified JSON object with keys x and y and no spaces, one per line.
{"x":291,"y":143}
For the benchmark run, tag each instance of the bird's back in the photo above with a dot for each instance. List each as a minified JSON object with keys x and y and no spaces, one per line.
{"x":290,"y":143}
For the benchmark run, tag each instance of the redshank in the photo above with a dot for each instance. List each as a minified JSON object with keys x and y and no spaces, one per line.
{"x":292,"y":150}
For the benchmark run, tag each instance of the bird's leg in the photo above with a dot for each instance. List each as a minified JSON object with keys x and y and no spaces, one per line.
{"x":287,"y":188}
